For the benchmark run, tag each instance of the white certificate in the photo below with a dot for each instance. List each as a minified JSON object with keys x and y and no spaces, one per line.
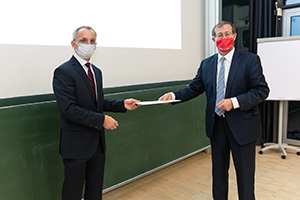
{"x":145,"y":103}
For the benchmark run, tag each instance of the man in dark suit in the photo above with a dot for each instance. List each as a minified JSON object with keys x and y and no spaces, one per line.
{"x":77,"y":86}
{"x":233,"y":120}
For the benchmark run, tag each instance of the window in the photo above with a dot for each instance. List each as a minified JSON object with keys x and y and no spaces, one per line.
{"x":295,"y":25}
{"x":291,"y":22}
{"x":290,"y":2}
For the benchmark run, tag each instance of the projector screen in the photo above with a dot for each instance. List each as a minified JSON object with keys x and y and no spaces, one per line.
{"x":119,"y":23}
{"x":139,"y":41}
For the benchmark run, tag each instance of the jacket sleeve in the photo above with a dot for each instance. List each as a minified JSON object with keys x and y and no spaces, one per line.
{"x":194,"y":89}
{"x":258,"y":88}
{"x":110,"y":105}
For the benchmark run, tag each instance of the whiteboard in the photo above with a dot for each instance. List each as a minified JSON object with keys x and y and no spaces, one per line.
{"x":280,"y":57}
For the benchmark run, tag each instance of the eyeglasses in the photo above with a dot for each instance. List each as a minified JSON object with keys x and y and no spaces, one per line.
{"x":86,"y":41}
{"x":221,"y":36}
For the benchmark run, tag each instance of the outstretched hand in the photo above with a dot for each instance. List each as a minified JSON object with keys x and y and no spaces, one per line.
{"x":165,"y":97}
{"x":130,"y":104}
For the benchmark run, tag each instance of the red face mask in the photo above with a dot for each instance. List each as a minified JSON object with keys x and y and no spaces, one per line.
{"x":225,"y":44}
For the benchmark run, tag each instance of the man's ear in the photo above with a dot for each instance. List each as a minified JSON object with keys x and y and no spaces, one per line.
{"x":73,"y":44}
{"x":235,"y":36}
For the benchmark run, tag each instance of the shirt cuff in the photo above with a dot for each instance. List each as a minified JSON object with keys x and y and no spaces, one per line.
{"x":173,"y":95}
{"x":235,"y":102}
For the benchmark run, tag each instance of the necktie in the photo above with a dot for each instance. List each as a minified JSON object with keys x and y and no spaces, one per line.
{"x":221,"y":87}
{"x":91,"y":78}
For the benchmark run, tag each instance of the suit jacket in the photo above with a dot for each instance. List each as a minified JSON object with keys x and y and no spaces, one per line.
{"x":245,"y":81}
{"x":81,"y":115}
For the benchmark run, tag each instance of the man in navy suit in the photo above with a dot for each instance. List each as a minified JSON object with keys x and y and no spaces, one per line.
{"x":233,"y":121}
{"x":77,"y":86}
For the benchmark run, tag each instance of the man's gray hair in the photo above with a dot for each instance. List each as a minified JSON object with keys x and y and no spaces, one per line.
{"x":81,"y":27}
{"x":219,"y":25}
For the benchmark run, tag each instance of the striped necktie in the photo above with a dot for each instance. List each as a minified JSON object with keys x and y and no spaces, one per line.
{"x":91,"y":78}
{"x":221,"y":87}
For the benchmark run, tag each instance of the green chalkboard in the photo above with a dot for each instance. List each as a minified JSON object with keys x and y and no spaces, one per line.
{"x":30,"y":166}
{"x":32,"y":169}
{"x":153,"y":135}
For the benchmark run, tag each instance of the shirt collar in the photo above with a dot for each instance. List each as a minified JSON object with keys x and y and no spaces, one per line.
{"x":80,"y":60}
{"x":227,"y":56}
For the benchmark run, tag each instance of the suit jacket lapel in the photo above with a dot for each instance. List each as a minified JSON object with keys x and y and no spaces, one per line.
{"x":84,"y":76}
{"x":214,"y":73}
{"x":232,"y":71}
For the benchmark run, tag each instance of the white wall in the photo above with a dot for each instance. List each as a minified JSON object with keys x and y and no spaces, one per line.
{"x":28,"y":69}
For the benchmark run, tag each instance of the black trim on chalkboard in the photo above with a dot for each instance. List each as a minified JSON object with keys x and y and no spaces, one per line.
{"x":34,"y":99}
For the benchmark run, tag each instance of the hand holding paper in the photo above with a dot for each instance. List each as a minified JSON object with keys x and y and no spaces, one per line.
{"x":131,"y":104}
{"x":165,"y":97}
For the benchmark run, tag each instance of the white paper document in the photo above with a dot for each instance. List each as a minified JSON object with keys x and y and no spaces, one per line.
{"x":144,"y":103}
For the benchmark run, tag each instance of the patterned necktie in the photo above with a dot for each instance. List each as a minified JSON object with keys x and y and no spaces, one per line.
{"x":91,"y":78}
{"x":221,"y":87}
